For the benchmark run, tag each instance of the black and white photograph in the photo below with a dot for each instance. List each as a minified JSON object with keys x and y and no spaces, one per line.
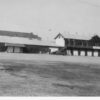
{"x":49,"y":48}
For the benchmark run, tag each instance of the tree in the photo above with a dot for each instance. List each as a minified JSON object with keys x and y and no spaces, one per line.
{"x":95,"y":40}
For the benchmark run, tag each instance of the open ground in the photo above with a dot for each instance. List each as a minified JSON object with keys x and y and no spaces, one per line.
{"x":49,"y":75}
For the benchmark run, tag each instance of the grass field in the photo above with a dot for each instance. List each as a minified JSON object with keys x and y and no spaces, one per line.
{"x":49,"y":75}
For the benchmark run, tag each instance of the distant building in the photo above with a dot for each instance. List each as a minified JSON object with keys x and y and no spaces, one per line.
{"x":18,"y":42}
{"x":75,"y":44}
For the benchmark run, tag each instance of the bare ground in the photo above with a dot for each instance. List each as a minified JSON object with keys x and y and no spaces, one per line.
{"x":48,"y":75}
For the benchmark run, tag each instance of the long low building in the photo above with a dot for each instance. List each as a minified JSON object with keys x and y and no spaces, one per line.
{"x":18,"y":42}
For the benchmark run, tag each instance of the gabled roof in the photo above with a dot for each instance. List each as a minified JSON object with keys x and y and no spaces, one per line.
{"x":19,"y":34}
{"x":26,"y":41}
{"x":74,"y":36}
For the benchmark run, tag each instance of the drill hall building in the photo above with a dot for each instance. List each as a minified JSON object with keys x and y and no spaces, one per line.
{"x":77,"y":45}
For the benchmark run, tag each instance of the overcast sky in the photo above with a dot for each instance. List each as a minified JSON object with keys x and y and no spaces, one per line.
{"x":48,"y":17}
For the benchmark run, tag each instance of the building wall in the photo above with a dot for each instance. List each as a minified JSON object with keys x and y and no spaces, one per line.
{"x":60,"y":41}
{"x":82,"y":53}
{"x":11,"y":49}
{"x":17,"y":50}
{"x":2,"y":47}
{"x":68,"y":52}
{"x":75,"y":52}
{"x":96,"y":53}
{"x":89,"y":53}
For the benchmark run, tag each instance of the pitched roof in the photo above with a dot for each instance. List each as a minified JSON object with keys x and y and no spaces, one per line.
{"x":26,"y":41}
{"x":75,"y":36}
{"x":19,"y":34}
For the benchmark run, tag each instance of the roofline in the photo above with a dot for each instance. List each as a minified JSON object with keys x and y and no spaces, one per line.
{"x":69,"y":38}
{"x":58,"y":35}
{"x":77,"y":39}
{"x":15,"y":31}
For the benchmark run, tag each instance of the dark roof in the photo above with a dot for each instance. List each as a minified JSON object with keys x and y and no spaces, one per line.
{"x":19,"y":34}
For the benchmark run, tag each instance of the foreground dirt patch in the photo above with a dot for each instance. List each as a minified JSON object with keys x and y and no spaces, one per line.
{"x":47,"y":78}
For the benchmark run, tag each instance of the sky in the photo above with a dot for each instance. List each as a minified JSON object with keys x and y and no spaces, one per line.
{"x":47,"y":18}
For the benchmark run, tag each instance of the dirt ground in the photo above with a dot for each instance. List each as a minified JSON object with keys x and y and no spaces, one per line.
{"x":49,"y":75}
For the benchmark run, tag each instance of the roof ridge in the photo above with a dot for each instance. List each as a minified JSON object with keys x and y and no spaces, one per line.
{"x":19,"y":34}
{"x":75,"y":36}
